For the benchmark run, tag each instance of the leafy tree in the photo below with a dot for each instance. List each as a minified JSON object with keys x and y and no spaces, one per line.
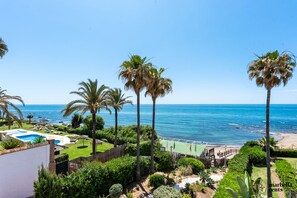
{"x":271,"y":70}
{"x":6,"y":105}
{"x":92,"y":99}
{"x":157,"y":86}
{"x":117,"y":100}
{"x":76,"y":120}
{"x":3,"y":48}
{"x":134,"y":73}
{"x":88,"y":122}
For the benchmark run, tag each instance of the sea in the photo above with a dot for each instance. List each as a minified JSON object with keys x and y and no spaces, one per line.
{"x":209,"y":124}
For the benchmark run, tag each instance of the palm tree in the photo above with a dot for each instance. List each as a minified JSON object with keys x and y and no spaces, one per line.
{"x":76,"y":120}
{"x":6,"y":104}
{"x":272,"y":143}
{"x":134,"y":72}
{"x":157,"y":86}
{"x":117,"y":100}
{"x":92,"y":99}
{"x":271,"y":70}
{"x":3,"y":48}
{"x":30,"y":116}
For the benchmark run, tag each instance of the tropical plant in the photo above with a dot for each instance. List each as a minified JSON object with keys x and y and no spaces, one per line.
{"x":39,"y":139}
{"x":115,"y":191}
{"x":117,"y":100}
{"x":248,"y":188}
{"x":157,"y":86}
{"x":203,"y":177}
{"x":76,"y":120}
{"x":92,"y":99}
{"x":3,"y":48}
{"x":272,"y":143}
{"x":156,"y":180}
{"x":134,"y":73}
{"x":88,"y":122}
{"x":29,"y":117}
{"x":271,"y":70}
{"x":6,"y":105}
{"x":11,"y":143}
{"x":166,"y":191}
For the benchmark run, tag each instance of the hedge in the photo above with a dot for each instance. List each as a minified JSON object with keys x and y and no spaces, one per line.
{"x":164,"y":160}
{"x":284,"y":153}
{"x":287,"y":175}
{"x":145,"y":148}
{"x":256,"y":155}
{"x":196,"y":165}
{"x":93,"y":180}
{"x":61,"y":158}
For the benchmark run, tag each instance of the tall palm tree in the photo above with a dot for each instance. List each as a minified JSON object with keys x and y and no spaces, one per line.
{"x":157,"y":86}
{"x":3,"y":48}
{"x":134,"y":72}
{"x":117,"y":100}
{"x":271,"y":70}
{"x":92,"y":99}
{"x":5,"y":105}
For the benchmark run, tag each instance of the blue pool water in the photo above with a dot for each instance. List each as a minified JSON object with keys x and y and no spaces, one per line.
{"x":32,"y":137}
{"x":215,"y":124}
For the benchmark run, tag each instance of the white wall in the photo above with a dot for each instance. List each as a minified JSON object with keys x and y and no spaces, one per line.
{"x":18,"y":171}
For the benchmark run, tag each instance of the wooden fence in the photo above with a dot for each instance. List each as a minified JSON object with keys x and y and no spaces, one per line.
{"x":77,"y":163}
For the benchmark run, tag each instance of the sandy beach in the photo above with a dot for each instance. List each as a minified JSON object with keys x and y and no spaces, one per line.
{"x":287,"y":140}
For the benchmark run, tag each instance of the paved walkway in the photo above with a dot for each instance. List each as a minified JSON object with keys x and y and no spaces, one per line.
{"x":276,"y":180}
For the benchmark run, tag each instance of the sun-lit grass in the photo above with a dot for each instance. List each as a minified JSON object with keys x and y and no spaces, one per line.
{"x":292,"y":161}
{"x":74,"y":151}
{"x":261,"y":172}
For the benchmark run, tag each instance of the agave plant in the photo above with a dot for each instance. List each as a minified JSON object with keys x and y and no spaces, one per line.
{"x":248,"y":187}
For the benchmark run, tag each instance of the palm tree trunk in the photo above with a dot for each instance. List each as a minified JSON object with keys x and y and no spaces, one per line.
{"x":116,"y":128}
{"x":138,"y":139}
{"x":93,"y":134}
{"x":153,"y":138}
{"x":269,"y":191}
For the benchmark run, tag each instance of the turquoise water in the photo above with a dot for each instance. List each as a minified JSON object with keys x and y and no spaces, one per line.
{"x":32,"y":137}
{"x":214,"y":124}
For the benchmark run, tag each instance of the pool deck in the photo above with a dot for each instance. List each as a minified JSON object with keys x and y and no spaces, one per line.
{"x":63,"y":140}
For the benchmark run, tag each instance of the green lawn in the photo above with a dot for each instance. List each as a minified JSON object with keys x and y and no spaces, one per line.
{"x":183,"y":147}
{"x":74,"y":152}
{"x":1,"y":148}
{"x":261,"y":172}
{"x":292,"y":161}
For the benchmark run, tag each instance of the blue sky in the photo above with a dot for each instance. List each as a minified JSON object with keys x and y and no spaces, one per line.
{"x":205,"y":46}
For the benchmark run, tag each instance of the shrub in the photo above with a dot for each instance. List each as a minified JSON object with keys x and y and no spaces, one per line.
{"x":115,"y":190}
{"x":196,"y":165}
{"x":11,"y":143}
{"x":164,"y":160}
{"x":145,"y":148}
{"x":166,"y":191}
{"x":39,"y":139}
{"x":47,"y":185}
{"x":251,"y":143}
{"x":287,"y":175}
{"x":61,"y":158}
{"x":239,"y":163}
{"x":256,"y":155}
{"x":186,"y":170}
{"x":284,"y":153}
{"x":156,"y":180}
{"x":62,"y":128}
{"x":89,"y":123}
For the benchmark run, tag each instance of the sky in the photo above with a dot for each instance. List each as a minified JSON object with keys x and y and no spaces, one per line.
{"x":205,"y":46}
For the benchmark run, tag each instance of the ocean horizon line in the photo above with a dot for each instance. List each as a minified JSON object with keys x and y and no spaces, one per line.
{"x":188,"y":104}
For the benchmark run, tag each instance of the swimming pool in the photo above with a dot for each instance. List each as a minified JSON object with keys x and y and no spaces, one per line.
{"x":32,"y":137}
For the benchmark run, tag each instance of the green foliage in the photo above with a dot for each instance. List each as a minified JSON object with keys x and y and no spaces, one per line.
{"x":156,"y":180}
{"x":11,"y":143}
{"x":186,"y":196}
{"x":61,"y":158}
{"x":229,"y":181}
{"x":284,"y":153}
{"x":62,"y":128}
{"x":256,"y":155}
{"x":115,"y":191}
{"x":247,"y":188}
{"x":45,"y":184}
{"x":239,"y":163}
{"x":38,"y":140}
{"x":76,"y":120}
{"x":166,"y":191}
{"x":89,"y":123}
{"x":287,"y":175}
{"x":145,"y":147}
{"x":185,"y":170}
{"x":164,"y":160}
{"x":126,"y":134}
{"x":196,"y":165}
{"x":251,"y":143}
